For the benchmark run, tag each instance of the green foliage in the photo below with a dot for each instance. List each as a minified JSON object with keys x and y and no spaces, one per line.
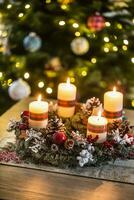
{"x":39,"y":146}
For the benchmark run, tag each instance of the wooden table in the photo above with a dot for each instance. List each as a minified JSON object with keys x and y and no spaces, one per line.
{"x":27,"y":184}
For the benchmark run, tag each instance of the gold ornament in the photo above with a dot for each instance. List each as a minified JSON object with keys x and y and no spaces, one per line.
{"x":53,"y":67}
{"x":65,"y":2}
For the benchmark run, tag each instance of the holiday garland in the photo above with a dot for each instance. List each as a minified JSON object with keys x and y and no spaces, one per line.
{"x":64,"y":143}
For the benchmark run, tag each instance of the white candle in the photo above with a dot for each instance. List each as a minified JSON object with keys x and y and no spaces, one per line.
{"x":113,"y":105}
{"x":38,"y":114}
{"x":97,"y":125}
{"x":66,"y":99}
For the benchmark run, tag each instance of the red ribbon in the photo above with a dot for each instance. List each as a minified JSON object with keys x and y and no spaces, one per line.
{"x":65,"y":103}
{"x":112,"y":115}
{"x":97,"y":129}
{"x":38,"y":116}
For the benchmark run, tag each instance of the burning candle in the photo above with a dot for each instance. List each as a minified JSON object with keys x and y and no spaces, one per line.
{"x":113,"y":105}
{"x":66,"y":99}
{"x":97,"y":126}
{"x":38,"y":113}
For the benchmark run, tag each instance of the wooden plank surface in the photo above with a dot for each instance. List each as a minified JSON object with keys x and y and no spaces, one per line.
{"x":20,"y":184}
{"x":25,"y":184}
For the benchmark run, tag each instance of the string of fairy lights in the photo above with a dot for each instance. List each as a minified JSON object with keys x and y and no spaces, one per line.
{"x":78,"y":31}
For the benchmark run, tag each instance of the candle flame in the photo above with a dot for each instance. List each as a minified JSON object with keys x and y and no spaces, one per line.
{"x":39,"y":97}
{"x":114,"y":89}
{"x":68,"y":80}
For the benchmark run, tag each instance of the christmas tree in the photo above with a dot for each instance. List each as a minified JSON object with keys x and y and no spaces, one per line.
{"x":46,"y":41}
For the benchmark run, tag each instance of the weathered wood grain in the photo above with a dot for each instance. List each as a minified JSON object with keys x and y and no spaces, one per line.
{"x":25,"y":184}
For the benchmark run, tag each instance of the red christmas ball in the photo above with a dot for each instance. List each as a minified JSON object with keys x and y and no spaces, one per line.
{"x":25,"y":113}
{"x":59,"y":137}
{"x":23,"y":126}
{"x":25,"y":116}
{"x":96,"y":22}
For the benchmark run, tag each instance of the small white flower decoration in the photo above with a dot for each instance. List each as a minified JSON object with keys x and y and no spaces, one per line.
{"x":86,"y":156}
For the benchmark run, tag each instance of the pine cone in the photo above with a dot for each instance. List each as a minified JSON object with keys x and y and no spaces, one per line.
{"x":123,"y":127}
{"x":54,"y":124}
{"x":92,"y":103}
{"x":78,"y":107}
{"x":114,"y":126}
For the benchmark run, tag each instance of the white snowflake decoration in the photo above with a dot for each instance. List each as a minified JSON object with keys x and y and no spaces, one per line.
{"x":125,"y":140}
{"x":86,"y":156}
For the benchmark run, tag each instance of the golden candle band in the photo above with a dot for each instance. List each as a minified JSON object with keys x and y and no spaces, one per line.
{"x":65,"y":103}
{"x":38,"y":116}
{"x":112,"y":115}
{"x":97,"y":129}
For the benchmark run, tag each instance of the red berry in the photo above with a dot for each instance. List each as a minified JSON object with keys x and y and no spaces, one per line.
{"x":107,"y":144}
{"x":91,"y":139}
{"x":59,"y":137}
{"x":130,"y":135}
{"x":25,"y":113}
{"x":23,"y":126}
